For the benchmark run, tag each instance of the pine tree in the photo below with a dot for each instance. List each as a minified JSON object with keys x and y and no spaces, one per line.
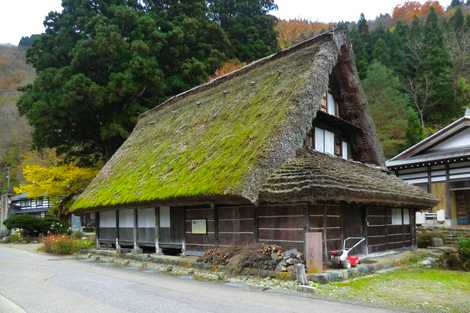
{"x":248,"y":25}
{"x":360,"y":39}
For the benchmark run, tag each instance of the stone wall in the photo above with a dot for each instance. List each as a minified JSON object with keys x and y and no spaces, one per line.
{"x":450,"y":234}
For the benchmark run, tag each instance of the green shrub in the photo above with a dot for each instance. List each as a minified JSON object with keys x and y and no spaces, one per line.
{"x":16,"y":235}
{"x":31,"y":225}
{"x":34,"y":225}
{"x":424,"y":240}
{"x":464,"y":248}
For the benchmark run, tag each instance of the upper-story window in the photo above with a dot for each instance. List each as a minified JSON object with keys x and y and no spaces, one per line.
{"x":328,"y":142}
{"x":329,"y":105}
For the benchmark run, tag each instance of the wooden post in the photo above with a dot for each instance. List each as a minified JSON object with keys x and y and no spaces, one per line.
{"x":117,"y":231}
{"x":97,"y":229}
{"x":216,"y":224}
{"x":256,"y":230}
{"x":429,"y":178}
{"x":135,"y":231}
{"x":307,"y":218}
{"x":183,"y":243}
{"x":448,"y":195}
{"x":157,"y":230}
{"x":325,"y":225}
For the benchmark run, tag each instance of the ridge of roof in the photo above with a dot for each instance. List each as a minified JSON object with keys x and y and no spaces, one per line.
{"x":216,"y":81}
{"x":440,"y":132}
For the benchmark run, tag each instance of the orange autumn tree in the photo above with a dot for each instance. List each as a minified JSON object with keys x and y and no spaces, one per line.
{"x":227,"y":67}
{"x":410,"y":9}
{"x":293,"y":31}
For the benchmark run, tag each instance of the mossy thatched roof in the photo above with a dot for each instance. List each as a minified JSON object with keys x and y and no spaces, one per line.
{"x":314,"y":176}
{"x":223,"y":139}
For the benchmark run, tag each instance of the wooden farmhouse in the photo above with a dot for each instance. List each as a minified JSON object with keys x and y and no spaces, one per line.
{"x":278,"y":149}
{"x":440,"y":164}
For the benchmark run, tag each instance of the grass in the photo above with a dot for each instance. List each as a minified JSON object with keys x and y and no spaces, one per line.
{"x":413,"y":289}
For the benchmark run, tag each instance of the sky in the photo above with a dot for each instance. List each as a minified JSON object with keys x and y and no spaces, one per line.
{"x":25,"y":17}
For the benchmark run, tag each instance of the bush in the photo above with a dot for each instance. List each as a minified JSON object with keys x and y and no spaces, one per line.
{"x":464,"y":248}
{"x":424,"y":240}
{"x":35,"y":226}
{"x":31,"y":225}
{"x":16,"y":235}
{"x":65,"y":245}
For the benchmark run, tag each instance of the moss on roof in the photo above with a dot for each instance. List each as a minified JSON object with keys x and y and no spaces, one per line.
{"x":314,"y":176}
{"x":204,"y":144}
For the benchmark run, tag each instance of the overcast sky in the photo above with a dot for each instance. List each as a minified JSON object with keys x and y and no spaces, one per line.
{"x":24,"y":17}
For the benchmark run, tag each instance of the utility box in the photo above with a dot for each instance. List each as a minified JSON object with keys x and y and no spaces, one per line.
{"x":314,"y":252}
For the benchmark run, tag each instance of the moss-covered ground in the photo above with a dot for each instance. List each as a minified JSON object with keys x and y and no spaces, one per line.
{"x":411,"y":289}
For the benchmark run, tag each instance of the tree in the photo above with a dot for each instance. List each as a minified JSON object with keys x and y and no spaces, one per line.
{"x":409,"y":10}
{"x":456,"y":3}
{"x":388,"y":107}
{"x":60,"y":182}
{"x":294,"y":31}
{"x":360,"y":39}
{"x":248,"y":25}
{"x":102,"y":63}
{"x":428,"y":79}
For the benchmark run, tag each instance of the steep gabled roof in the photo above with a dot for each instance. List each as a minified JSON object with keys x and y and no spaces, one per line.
{"x":224,"y":138}
{"x":422,"y":151}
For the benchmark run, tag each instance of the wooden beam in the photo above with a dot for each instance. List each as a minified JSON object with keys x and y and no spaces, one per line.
{"x":135,"y":233}
{"x":97,"y":229}
{"x":117,"y":225}
{"x":216,"y":223}
{"x":157,"y":230}
{"x":448,"y":194}
{"x":256,"y":230}
{"x":325,"y":240}
{"x":429,"y":178}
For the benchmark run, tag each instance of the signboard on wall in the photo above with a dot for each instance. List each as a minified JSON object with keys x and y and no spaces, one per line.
{"x":199,"y":227}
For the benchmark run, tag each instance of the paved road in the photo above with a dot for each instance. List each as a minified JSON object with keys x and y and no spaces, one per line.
{"x":37,"y":283}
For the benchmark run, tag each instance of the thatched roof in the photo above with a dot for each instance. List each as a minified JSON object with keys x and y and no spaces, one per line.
{"x":314,"y":176}
{"x":224,"y":139}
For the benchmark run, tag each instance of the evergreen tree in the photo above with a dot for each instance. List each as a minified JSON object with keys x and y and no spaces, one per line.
{"x":248,"y":25}
{"x":360,"y":39}
{"x":388,"y":107}
{"x":456,"y":3}
{"x":102,"y":63}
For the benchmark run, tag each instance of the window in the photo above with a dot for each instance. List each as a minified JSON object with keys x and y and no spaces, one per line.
{"x":406,"y":217}
{"x":331,"y":104}
{"x":324,"y":141}
{"x":344,"y":150}
{"x":328,"y":104}
{"x":319,"y":139}
{"x":397,"y":217}
{"x":400,"y":217}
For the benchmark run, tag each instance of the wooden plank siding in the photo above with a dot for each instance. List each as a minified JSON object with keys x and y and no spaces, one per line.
{"x":283,"y":225}
{"x":199,"y":242}
{"x":382,"y":235}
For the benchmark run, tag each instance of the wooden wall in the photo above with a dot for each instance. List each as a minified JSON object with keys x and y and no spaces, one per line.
{"x":283,"y":225}
{"x":199,"y":242}
{"x":382,"y":235}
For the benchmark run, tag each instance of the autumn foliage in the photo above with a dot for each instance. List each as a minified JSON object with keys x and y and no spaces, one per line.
{"x":227,"y":67}
{"x":410,"y":9}
{"x":293,"y":31}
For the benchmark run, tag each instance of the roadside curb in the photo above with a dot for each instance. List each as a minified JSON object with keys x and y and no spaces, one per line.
{"x":7,"y":306}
